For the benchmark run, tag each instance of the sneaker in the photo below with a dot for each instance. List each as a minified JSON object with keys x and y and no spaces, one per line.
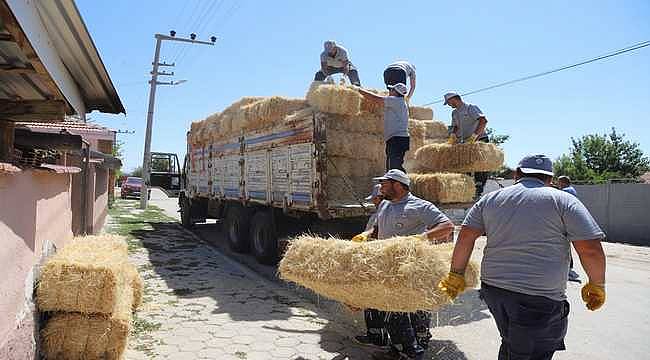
{"x":367,"y":340}
{"x":573,"y":276}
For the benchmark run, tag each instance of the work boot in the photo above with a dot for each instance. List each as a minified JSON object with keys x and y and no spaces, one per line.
{"x":370,"y":340}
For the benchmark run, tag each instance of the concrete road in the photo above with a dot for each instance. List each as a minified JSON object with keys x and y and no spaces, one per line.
{"x":465,"y":330}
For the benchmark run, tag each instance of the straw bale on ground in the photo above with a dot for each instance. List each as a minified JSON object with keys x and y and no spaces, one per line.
{"x":354,"y":145}
{"x":89,"y":275}
{"x":399,"y":274}
{"x":71,"y":335}
{"x":443,"y":188}
{"x":420,"y":113}
{"x":335,"y":99}
{"x":458,"y":158}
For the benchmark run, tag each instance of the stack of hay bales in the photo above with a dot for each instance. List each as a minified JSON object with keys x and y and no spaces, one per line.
{"x":91,"y":289}
{"x":399,"y":274}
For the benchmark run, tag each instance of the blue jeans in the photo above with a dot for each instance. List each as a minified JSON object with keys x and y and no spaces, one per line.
{"x":531,"y":327}
{"x":396,"y":148}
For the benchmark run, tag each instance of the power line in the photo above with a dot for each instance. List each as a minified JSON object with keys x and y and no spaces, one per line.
{"x":205,"y":17}
{"x":510,"y":82}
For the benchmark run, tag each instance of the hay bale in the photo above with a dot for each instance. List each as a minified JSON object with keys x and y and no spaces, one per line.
{"x":443,"y":188}
{"x":299,"y":115}
{"x":364,"y":122}
{"x":268,"y":112}
{"x":354,"y":145}
{"x":353,"y":167}
{"x":436,"y":130}
{"x":334,"y":99}
{"x":399,"y":274}
{"x":460,"y":158}
{"x":82,"y":336}
{"x":339,"y":192}
{"x":89,"y":275}
{"x":420,"y":113}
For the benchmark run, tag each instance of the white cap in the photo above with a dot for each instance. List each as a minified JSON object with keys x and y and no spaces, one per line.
{"x":395,"y":174}
{"x":450,"y":95}
{"x":400,"y":88}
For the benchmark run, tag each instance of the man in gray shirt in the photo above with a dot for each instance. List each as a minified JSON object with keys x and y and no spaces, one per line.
{"x":333,"y":60}
{"x":468,"y":124}
{"x":396,"y":122}
{"x":529,"y":228}
{"x":403,"y":214}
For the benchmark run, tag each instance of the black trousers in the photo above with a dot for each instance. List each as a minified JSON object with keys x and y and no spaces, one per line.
{"x":409,"y":332}
{"x":376,"y":325}
{"x":531,"y":327}
{"x":394,"y":75}
{"x":480,"y":178}
{"x":396,"y":148}
{"x":353,"y":75}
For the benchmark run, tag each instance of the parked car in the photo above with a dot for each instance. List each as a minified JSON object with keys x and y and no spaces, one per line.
{"x":131,"y":187}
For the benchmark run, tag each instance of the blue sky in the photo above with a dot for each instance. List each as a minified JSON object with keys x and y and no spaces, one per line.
{"x":272,"y":48}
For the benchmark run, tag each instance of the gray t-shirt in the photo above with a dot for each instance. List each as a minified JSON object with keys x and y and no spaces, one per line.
{"x":465,"y":118}
{"x":409,"y":216}
{"x":336,"y":61}
{"x":404,"y":65}
{"x":529,"y":227}
{"x":396,"y":117}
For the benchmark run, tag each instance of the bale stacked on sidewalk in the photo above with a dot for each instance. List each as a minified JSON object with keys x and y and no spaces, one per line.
{"x":92,"y":289}
{"x":399,"y":274}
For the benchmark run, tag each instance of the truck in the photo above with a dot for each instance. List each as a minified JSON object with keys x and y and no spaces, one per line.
{"x":267,"y":185}
{"x":165,"y":173}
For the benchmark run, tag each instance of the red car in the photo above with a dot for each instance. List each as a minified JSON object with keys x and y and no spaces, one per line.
{"x":131,"y":187}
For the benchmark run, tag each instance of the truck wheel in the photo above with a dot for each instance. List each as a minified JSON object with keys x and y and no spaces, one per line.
{"x":264,"y":238}
{"x":186,"y":214}
{"x":237,"y":224}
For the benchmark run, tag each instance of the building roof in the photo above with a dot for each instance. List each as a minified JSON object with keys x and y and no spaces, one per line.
{"x":75,"y":127}
{"x":48,"y":57}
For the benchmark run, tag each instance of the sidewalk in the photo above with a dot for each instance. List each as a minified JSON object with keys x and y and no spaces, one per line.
{"x":199,"y":304}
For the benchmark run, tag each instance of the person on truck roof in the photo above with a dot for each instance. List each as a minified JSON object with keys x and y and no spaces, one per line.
{"x":396,"y":123}
{"x":403,"y":214}
{"x":397,"y":72}
{"x":468,"y":125}
{"x":530,"y":227}
{"x":334,"y":60}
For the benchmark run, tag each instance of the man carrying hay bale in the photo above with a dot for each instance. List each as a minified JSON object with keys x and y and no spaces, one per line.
{"x":404,"y":214}
{"x":396,"y":123}
{"x":468,"y":125}
{"x":397,"y":72}
{"x":530,"y":227}
{"x":334,"y":60}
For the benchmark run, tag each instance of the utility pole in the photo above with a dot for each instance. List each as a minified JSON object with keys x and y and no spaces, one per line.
{"x":146,"y":162}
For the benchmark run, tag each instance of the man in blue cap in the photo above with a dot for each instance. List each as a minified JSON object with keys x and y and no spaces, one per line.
{"x":530,"y":226}
{"x":403,"y":214}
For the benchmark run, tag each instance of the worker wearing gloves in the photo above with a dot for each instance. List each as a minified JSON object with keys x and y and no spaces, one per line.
{"x":403,"y":214}
{"x":397,"y":73}
{"x":468,"y":124}
{"x":396,"y":122}
{"x":334,"y":60}
{"x":529,"y":228}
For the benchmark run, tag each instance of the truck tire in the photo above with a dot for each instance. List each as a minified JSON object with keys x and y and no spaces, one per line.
{"x":237,"y":228}
{"x":186,"y":214}
{"x":264,"y":239}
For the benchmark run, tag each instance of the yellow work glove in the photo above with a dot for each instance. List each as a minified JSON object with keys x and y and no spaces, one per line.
{"x":593,"y":295}
{"x":453,"y":284}
{"x":472,"y":139}
{"x":452,"y":139}
{"x":421,"y":237}
{"x":360,"y":237}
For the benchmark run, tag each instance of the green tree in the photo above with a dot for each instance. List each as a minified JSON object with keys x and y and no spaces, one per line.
{"x":597,"y":158}
{"x":497,"y":139}
{"x":118,"y":152}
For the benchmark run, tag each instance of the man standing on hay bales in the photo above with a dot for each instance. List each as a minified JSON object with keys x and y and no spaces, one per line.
{"x":529,"y":228}
{"x":397,"y":72}
{"x":334,"y":60}
{"x":396,"y":123}
{"x":468,"y":124}
{"x":404,"y":214}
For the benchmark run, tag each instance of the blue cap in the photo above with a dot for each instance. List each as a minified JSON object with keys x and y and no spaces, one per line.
{"x":395,"y":174}
{"x":375,"y":192}
{"x":536,"y":164}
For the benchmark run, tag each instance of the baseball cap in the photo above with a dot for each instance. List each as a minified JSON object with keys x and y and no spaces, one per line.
{"x":450,"y":95}
{"x":394,"y":174}
{"x":400,"y":88}
{"x":374,"y":192}
{"x":536,"y":164}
